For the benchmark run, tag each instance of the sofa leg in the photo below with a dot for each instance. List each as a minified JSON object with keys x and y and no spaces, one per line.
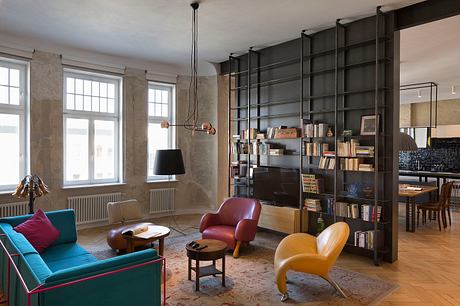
{"x":236,"y":251}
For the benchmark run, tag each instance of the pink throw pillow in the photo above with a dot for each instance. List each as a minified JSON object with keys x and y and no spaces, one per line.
{"x":39,"y":231}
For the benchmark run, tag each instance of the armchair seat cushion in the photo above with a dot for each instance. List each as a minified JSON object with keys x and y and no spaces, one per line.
{"x":225,"y":233}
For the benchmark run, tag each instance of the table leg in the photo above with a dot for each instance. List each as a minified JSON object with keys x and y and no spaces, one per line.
{"x":407,"y":213}
{"x":197,"y":275}
{"x":189,"y":269}
{"x":413,"y":215}
{"x":214,"y":264}
{"x":223,"y":271}
{"x":161,"y":246}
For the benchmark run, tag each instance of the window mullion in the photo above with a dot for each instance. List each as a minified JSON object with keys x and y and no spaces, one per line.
{"x":91,"y":150}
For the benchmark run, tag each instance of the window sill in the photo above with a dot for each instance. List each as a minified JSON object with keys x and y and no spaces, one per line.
{"x":161,"y":181}
{"x":10,"y":192}
{"x":92,"y":185}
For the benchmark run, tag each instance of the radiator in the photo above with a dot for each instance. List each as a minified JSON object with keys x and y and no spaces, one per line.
{"x":14,"y":209}
{"x":161,"y":200}
{"x":92,"y":208}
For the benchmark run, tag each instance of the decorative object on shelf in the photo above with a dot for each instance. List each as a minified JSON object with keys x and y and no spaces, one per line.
{"x":192,"y":119}
{"x":353,"y":189}
{"x":406,"y":142}
{"x":367,"y":192}
{"x":369,"y":124}
{"x":329,"y":132}
{"x":347,"y":133}
{"x":320,"y":225}
{"x":31,"y":186}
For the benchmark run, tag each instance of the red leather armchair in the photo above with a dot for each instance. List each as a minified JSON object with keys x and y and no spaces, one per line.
{"x":234,"y":223}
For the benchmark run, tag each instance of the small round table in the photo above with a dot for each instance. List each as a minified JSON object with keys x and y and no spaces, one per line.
{"x":159,"y":232}
{"x":215,"y":250}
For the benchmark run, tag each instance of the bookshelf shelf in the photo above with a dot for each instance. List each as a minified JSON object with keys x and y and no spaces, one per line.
{"x":338,"y":76}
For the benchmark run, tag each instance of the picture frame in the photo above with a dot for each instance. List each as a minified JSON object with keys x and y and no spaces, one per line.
{"x":369,"y":124}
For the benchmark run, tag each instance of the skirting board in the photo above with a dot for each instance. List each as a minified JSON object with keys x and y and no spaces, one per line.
{"x":149,"y":217}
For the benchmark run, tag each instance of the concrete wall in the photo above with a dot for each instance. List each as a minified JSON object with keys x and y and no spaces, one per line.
{"x":417,"y":114}
{"x":196,"y":190}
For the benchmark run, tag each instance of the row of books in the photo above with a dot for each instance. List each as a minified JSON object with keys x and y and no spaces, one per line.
{"x":248,"y":134}
{"x":312,"y":183}
{"x":352,"y":210}
{"x":326,"y":163}
{"x":315,"y":129}
{"x":315,"y":148}
{"x":355,"y":164}
{"x":352,"y":148}
{"x":367,"y":239}
{"x":257,"y":148}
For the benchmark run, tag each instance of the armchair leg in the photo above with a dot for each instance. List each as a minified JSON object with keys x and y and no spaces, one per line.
{"x":284,"y":297}
{"x":335,"y":285}
{"x":236,"y":251}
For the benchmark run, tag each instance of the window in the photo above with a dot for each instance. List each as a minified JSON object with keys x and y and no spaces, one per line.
{"x":14,"y":159}
{"x":161,"y":99}
{"x":92,"y":128}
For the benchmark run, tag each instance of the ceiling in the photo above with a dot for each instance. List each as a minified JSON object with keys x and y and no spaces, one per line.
{"x":431,"y":53}
{"x":157,"y":32}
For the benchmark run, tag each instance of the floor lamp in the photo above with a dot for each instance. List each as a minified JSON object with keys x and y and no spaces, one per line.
{"x":169,"y":162}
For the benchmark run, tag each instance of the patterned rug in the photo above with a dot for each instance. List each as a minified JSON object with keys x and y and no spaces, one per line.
{"x":250,"y":280}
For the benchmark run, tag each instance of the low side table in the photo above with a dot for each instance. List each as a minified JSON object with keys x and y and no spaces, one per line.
{"x":161,"y":233}
{"x":215,"y":250}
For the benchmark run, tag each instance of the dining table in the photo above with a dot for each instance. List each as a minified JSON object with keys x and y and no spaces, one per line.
{"x":411,"y":192}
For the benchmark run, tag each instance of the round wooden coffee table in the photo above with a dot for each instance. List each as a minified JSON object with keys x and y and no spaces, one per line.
{"x":158,"y":233}
{"x":215,"y":250}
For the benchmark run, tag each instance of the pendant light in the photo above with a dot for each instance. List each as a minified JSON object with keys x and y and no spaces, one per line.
{"x":192,"y":119}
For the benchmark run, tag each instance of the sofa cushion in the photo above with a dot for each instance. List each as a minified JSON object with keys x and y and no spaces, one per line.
{"x":223,"y":233}
{"x":66,"y":255}
{"x":39,"y":231}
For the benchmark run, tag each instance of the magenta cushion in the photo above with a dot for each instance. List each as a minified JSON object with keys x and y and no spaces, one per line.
{"x":39,"y":231}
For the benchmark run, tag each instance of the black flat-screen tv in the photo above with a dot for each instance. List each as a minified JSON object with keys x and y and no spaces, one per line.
{"x":278,"y":186}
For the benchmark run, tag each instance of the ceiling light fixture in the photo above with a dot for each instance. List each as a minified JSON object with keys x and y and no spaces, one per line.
{"x":419,"y":93}
{"x":190,"y":122}
{"x":453,"y":90}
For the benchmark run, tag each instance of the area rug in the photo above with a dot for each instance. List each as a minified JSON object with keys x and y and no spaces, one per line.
{"x":250,"y":280}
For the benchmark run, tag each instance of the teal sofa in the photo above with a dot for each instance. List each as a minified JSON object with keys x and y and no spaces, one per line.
{"x":66,"y":261}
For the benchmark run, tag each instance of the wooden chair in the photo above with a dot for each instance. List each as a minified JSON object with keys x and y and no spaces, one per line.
{"x":437,"y":208}
{"x":447,"y":206}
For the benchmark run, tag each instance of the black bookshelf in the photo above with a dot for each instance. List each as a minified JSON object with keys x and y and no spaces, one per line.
{"x":334,"y":76}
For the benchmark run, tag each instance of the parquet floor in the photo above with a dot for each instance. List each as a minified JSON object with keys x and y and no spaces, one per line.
{"x":428,"y":269}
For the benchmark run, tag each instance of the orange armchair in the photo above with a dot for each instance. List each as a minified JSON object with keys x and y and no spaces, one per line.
{"x":309,"y":254}
{"x":234,"y":223}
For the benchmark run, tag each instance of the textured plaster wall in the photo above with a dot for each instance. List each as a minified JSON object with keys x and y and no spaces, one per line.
{"x":196,"y":190}
{"x":418,"y":114}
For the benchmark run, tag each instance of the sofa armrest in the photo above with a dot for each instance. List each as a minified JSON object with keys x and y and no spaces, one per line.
{"x":209,"y":220}
{"x":134,"y":277}
{"x":246,"y":230}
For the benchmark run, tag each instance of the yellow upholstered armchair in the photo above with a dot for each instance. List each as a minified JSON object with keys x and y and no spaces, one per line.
{"x":309,"y":254}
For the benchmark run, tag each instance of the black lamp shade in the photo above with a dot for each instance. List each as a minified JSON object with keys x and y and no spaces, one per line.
{"x":169,"y":162}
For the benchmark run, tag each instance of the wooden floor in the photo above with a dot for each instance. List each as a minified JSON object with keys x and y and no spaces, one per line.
{"x":428,"y":269}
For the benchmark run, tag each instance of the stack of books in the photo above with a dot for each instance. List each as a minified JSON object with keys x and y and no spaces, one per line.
{"x":311,"y":183}
{"x":364,"y":151}
{"x":313,"y":205}
{"x":366,"y":167}
{"x":326,"y":163}
{"x":275,"y":151}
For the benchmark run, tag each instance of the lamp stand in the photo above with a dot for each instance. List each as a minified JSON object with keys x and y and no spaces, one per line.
{"x":172,"y":217}
{"x":31,"y":201}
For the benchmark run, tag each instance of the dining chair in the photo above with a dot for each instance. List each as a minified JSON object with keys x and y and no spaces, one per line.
{"x":447,"y":205}
{"x":438,"y":208}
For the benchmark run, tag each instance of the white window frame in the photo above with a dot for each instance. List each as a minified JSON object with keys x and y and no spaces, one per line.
{"x":156,"y":119}
{"x":91,"y":116}
{"x":23,"y":110}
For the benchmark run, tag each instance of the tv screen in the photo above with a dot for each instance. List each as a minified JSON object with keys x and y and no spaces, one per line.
{"x":280,"y":186}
